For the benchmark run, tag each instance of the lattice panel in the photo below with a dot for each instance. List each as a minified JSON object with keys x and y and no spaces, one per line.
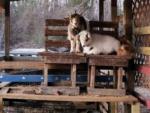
{"x":141,"y":18}
{"x":141,"y":13}
{"x":142,"y":40}
{"x":142,"y":80}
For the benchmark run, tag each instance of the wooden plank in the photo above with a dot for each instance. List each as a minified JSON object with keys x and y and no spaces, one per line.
{"x":108,"y":62}
{"x":142,"y":30}
{"x":50,"y":32}
{"x":29,"y":65}
{"x":66,"y":54}
{"x":144,"y":50}
{"x":128,"y":99}
{"x":63,"y":43}
{"x":135,"y":108}
{"x":73,"y":74}
{"x":92,"y":76}
{"x":44,"y":90}
{"x":4,"y":90}
{"x":106,"y":92}
{"x":58,"y":90}
{"x":3,"y":84}
{"x":64,"y":60}
{"x":21,"y":65}
{"x":56,"y":22}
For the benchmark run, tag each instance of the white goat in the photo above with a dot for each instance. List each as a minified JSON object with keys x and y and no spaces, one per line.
{"x":98,"y":44}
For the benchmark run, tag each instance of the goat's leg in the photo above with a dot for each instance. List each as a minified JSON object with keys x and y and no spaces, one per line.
{"x":73,"y":46}
{"x":78,"y":50}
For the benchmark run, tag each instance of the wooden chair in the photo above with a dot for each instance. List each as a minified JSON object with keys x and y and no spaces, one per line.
{"x":113,"y":62}
{"x":58,"y":27}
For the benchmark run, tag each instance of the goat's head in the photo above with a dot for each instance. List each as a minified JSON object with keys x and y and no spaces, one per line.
{"x":85,"y":38}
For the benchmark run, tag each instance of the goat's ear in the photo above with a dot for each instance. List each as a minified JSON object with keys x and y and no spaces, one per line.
{"x":89,"y":35}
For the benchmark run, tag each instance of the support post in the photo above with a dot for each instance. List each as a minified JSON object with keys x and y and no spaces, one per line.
{"x":7,"y":28}
{"x":73,"y":74}
{"x":101,"y":10}
{"x":92,"y":77}
{"x":114,"y":10}
{"x":1,"y":105}
{"x":128,"y":18}
{"x":45,"y":74}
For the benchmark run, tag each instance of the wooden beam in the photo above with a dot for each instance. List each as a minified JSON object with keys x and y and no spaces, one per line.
{"x":21,"y":65}
{"x":86,"y":98}
{"x":107,"y":92}
{"x":144,"y":50}
{"x":142,"y":30}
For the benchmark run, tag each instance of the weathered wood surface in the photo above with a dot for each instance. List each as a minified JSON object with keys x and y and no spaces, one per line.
{"x":87,"y":98}
{"x":43,"y":90}
{"x":21,"y":65}
{"x":144,"y":50}
{"x":50,"y":32}
{"x":3,"y":84}
{"x":30,"y":65}
{"x":142,"y":30}
{"x":106,"y":92}
{"x":63,"y":43}
{"x":56,"y":22}
{"x":92,"y":76}
{"x":63,"y":58}
{"x":109,"y":60}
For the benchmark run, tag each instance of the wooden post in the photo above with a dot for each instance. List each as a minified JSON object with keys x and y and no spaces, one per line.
{"x":88,"y":77}
{"x":113,"y":107}
{"x":120,"y":77}
{"x":73,"y":74}
{"x":128,"y":18}
{"x":1,"y":6}
{"x":114,"y":10}
{"x":45,"y":74}
{"x":135,"y":108}
{"x":7,"y":27}
{"x":1,"y":105}
{"x":92,"y":77}
{"x":101,"y":10}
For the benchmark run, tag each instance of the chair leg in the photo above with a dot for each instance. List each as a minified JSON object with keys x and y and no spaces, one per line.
{"x":73,"y":74}
{"x":92,"y":77}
